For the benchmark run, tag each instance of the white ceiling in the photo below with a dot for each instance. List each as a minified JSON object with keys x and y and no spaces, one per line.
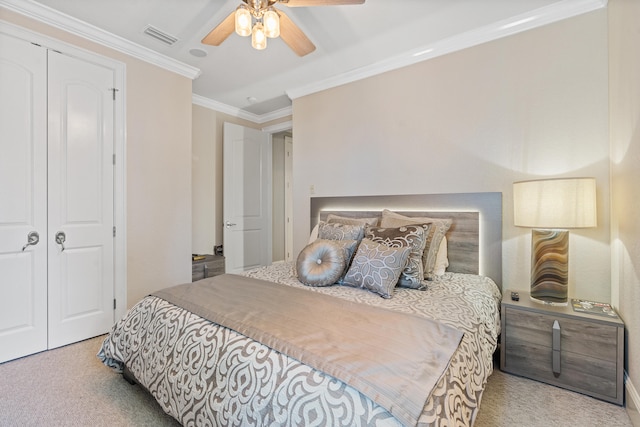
{"x":352,"y":41}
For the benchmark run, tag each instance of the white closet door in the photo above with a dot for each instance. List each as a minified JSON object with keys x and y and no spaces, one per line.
{"x":23,"y":192}
{"x":81,"y":143}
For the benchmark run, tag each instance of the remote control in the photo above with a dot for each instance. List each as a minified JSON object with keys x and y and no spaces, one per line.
{"x":515,"y":296}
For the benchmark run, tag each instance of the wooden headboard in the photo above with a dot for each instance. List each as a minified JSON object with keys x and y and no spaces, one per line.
{"x":474,"y":238}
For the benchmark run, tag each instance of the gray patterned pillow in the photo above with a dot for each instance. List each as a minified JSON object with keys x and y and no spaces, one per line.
{"x":413,"y":236}
{"x":333,"y":218}
{"x":338,"y":231}
{"x":437,"y":231}
{"x":320,"y":263}
{"x":349,"y":248}
{"x":376,"y":267}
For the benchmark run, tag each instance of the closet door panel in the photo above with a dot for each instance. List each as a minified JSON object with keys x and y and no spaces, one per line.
{"x":23,"y":195}
{"x":80,"y":199}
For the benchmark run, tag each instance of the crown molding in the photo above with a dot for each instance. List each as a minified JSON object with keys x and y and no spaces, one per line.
{"x":533,"y":19}
{"x":278,"y":127}
{"x":562,"y":10}
{"x":87,"y":31}
{"x":237,"y":112}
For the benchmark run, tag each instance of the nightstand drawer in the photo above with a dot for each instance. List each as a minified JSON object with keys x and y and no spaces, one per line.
{"x":211,"y":265}
{"x":577,"y":372}
{"x":588,"y":339}
{"x":589,"y":349}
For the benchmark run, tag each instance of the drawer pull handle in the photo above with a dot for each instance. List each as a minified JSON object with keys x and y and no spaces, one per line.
{"x":556,"y":349}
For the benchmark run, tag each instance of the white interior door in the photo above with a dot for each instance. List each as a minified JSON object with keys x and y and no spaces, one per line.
{"x":247,"y":198}
{"x":80,"y":227}
{"x":23,"y":192}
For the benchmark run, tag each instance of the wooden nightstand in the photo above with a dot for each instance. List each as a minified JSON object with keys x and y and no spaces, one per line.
{"x":586,"y":353}
{"x":211,"y":265}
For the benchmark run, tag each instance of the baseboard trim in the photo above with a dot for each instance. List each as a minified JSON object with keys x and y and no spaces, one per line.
{"x":633,"y":401}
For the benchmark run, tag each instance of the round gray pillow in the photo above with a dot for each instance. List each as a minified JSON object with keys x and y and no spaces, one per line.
{"x":320,"y":263}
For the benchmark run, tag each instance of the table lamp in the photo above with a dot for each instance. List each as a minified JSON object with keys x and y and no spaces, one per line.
{"x":551,"y":206}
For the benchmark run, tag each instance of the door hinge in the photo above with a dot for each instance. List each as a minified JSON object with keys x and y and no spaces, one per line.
{"x":114,"y":231}
{"x":114,"y":303}
{"x":114,"y":90}
{"x":114,"y":159}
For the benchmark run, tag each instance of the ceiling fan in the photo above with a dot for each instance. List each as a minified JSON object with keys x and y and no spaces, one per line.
{"x":261,"y":20}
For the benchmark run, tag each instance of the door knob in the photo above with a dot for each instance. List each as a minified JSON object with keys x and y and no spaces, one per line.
{"x":60,"y":238}
{"x":229,"y":224}
{"x":32,"y":239}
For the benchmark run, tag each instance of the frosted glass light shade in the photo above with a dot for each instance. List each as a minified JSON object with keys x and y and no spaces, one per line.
{"x":243,"y":21}
{"x":271,"y":23}
{"x":555,"y":203}
{"x":258,"y":38}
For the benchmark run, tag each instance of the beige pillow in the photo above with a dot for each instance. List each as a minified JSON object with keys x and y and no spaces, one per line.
{"x":314,"y":234}
{"x":442,"y":259}
{"x":437,"y":231}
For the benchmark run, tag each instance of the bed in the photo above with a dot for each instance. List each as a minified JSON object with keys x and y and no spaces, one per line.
{"x":202,"y":373}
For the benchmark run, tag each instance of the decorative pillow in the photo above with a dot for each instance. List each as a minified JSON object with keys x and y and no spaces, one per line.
{"x":413,"y":236}
{"x":435,"y":235}
{"x":348,"y":249}
{"x":321,"y":263}
{"x":332,"y":218}
{"x":376,"y":267}
{"x":442,"y":259}
{"x":338,"y":231}
{"x":314,"y":234}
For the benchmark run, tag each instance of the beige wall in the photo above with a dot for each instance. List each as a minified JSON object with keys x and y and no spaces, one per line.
{"x":207,"y":174}
{"x":207,"y":181}
{"x":624,"y":39}
{"x":158,"y":173}
{"x":528,"y":106}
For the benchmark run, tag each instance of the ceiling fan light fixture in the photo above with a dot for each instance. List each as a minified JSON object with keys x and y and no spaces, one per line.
{"x":271,"y":23}
{"x":243,"y":21}
{"x":258,"y":37}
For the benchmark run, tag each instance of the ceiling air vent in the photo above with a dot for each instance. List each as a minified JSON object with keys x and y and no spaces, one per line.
{"x":157,"y":34}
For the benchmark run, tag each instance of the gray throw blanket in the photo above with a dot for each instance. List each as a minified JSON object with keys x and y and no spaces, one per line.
{"x":393,"y":358}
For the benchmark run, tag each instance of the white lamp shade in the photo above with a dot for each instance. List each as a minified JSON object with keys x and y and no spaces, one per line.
{"x":555,"y":203}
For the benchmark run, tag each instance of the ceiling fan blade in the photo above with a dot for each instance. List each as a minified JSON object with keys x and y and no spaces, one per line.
{"x":305,"y":3}
{"x":294,"y":37}
{"x":222,"y":31}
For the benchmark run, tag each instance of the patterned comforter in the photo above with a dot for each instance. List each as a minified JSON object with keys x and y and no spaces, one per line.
{"x":205,"y":374}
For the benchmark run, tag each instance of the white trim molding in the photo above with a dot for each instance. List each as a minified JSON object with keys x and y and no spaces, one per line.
{"x":536,"y":18}
{"x":278,"y":127}
{"x":237,"y":112}
{"x":558,"y":11}
{"x":92,"y":33}
{"x":633,"y":401}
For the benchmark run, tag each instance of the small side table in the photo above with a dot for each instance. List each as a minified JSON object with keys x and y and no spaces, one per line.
{"x":211,"y":265}
{"x":559,"y":346}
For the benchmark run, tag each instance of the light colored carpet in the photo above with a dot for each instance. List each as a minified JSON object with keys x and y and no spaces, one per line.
{"x":511,"y":401}
{"x":69,"y":386}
